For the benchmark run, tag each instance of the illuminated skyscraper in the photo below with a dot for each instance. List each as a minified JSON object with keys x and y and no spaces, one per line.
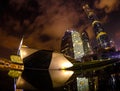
{"x":101,"y":36}
{"x":72,"y":45}
{"x":86,"y":43}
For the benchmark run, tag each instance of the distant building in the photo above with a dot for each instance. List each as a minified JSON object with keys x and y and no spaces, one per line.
{"x":72,"y":45}
{"x":102,"y":37}
{"x":86,"y":43}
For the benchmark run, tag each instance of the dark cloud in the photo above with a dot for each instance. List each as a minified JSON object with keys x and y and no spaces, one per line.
{"x":107,"y":6}
{"x":45,"y":38}
{"x":43,"y":22}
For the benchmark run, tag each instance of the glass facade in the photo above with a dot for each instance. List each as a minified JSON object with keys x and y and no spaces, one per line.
{"x":72,"y":45}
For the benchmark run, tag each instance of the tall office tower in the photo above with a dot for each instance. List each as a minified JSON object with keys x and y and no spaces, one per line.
{"x":101,"y":36}
{"x":72,"y":45}
{"x":86,"y":43}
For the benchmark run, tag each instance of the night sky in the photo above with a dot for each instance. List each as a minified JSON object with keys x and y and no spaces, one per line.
{"x":43,"y":22}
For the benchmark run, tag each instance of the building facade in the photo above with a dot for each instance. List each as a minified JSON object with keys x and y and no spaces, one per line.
{"x":72,"y":45}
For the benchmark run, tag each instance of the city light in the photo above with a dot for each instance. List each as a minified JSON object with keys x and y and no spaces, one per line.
{"x":59,"y":61}
{"x":60,"y":77}
{"x":26,"y":51}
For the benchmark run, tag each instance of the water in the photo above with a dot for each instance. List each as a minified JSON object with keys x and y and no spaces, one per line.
{"x":106,"y":78}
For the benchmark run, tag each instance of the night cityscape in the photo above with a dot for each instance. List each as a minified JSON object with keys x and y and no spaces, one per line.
{"x":64,"y":45}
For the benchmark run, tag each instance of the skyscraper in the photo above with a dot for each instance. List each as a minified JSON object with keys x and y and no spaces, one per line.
{"x":102,"y":38}
{"x":72,"y":45}
{"x":86,"y":43}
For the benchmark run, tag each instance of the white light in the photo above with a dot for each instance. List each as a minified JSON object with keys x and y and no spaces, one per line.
{"x":66,"y":65}
{"x":25,"y":51}
{"x":58,"y":61}
{"x":60,"y":77}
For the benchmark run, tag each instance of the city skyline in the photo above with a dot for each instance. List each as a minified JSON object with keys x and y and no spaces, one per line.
{"x":43,"y":22}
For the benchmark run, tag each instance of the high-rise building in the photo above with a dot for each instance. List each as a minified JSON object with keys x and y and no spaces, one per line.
{"x":86,"y":43}
{"x":72,"y":45}
{"x":101,"y":36}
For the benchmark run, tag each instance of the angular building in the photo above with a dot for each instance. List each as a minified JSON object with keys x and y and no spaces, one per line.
{"x":72,"y":45}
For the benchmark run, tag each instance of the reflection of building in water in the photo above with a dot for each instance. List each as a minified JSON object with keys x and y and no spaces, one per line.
{"x":93,"y":83}
{"x":109,"y":82}
{"x":82,"y":84}
{"x":72,"y":45}
{"x":98,"y":82}
{"x":87,"y":84}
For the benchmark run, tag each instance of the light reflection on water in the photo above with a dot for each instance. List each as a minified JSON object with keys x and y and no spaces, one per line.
{"x":67,"y":80}
{"x":107,"y":79}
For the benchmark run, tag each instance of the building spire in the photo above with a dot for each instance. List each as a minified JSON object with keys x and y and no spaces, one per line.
{"x":20,"y":45}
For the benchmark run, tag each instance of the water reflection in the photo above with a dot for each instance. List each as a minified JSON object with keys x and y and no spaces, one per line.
{"x":107,"y":78}
{"x":46,"y":79}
